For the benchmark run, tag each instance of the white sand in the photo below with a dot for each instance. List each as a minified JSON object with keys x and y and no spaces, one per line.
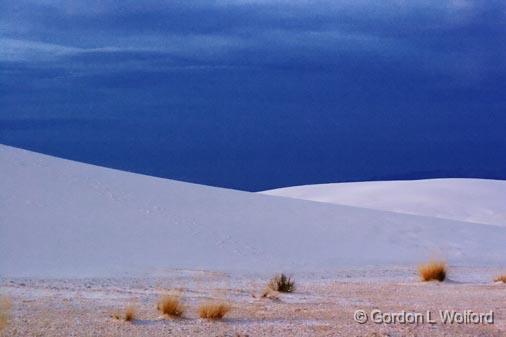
{"x":473,"y":200}
{"x":322,"y":305}
{"x":63,"y":218}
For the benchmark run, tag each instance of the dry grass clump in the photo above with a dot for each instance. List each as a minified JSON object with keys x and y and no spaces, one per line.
{"x":282,"y":284}
{"x":214,"y":311}
{"x":170,"y":306}
{"x":433,"y":271}
{"x":128,"y":315}
{"x":5,"y":306}
{"x":501,"y":278}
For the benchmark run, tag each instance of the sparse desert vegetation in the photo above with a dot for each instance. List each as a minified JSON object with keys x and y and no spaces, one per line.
{"x":324,"y":306}
{"x":128,"y":315}
{"x":281,"y":283}
{"x":5,"y":306}
{"x":171,"y":306}
{"x":214,"y":310}
{"x":433,"y":271}
{"x":501,"y":278}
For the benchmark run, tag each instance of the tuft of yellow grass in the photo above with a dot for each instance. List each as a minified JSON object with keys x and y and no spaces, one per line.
{"x":282,"y":283}
{"x":501,"y":278}
{"x":128,"y":315}
{"x":170,"y":306}
{"x":433,"y":271}
{"x":5,"y":307}
{"x":215,"y":311}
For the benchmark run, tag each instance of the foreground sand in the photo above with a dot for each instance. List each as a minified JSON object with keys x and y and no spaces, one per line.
{"x":323,"y":304}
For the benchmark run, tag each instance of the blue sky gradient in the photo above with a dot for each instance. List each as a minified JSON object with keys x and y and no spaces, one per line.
{"x":259,"y":94}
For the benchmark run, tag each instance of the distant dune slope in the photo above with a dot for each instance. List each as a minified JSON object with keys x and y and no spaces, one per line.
{"x":64,"y":218}
{"x":474,"y":200}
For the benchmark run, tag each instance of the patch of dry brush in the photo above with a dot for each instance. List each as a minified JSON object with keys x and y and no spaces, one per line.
{"x":215,"y":311}
{"x":501,"y":278}
{"x":433,"y":271}
{"x":281,"y":283}
{"x":5,"y":307}
{"x":128,"y":315}
{"x":170,"y":306}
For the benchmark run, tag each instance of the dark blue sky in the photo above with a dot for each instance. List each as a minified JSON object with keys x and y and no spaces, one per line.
{"x":259,"y":94}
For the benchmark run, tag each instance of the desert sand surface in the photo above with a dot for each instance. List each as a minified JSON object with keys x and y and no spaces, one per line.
{"x":323,"y":304}
{"x":81,"y":243}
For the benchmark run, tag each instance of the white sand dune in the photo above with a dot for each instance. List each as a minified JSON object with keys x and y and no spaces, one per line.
{"x":64,"y":218}
{"x":472,"y":200}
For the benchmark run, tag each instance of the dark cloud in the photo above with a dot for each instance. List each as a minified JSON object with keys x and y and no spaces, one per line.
{"x":256,"y":94}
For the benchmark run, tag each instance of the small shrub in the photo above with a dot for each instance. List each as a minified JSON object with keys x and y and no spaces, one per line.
{"x":282,"y":283}
{"x":127,"y":316}
{"x":214,"y":311}
{"x":170,"y":306}
{"x":433,"y":271}
{"x":501,"y":278}
{"x":5,"y":306}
